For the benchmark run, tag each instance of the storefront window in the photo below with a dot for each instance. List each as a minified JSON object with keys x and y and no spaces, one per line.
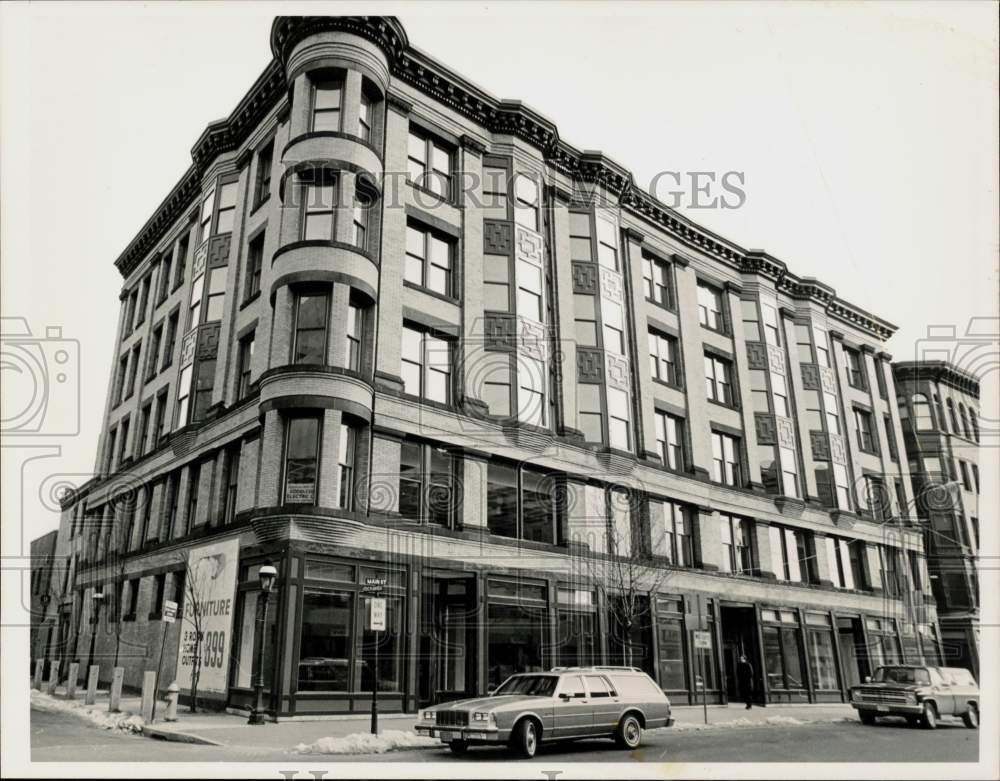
{"x":821,"y":660}
{"x":576,"y":638}
{"x":577,"y":628}
{"x":325,"y":655}
{"x":783,"y":658}
{"x":517,"y":629}
{"x":671,"y":637}
{"x":387,"y":645}
{"x":630,"y":636}
{"x":243,"y":663}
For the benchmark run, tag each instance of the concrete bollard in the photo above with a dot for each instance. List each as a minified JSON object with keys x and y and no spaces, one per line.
{"x":115,"y":699}
{"x":74,"y":673}
{"x":148,"y":695}
{"x":36,"y":682}
{"x":95,"y":670}
{"x":53,"y":676}
{"x":173,"y":693}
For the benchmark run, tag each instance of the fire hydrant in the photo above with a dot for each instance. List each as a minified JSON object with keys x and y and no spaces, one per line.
{"x":173,"y":692}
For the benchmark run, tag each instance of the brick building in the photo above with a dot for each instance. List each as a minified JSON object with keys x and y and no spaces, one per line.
{"x":388,"y":326}
{"x":939,"y":407}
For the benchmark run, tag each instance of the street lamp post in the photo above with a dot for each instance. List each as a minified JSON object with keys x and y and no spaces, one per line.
{"x":97,"y":598}
{"x":267,"y":576}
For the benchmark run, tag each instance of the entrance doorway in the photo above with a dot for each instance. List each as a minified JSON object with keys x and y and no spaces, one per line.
{"x":739,"y":637}
{"x":853,"y":655}
{"x":446,"y":664}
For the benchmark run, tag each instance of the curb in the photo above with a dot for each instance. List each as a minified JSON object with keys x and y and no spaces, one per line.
{"x":176,"y":736}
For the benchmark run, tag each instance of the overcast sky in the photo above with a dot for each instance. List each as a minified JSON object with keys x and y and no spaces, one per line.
{"x":867,"y":136}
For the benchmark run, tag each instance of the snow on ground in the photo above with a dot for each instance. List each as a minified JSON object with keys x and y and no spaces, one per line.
{"x":366,"y":743}
{"x":95,"y":714}
{"x":744,"y":722}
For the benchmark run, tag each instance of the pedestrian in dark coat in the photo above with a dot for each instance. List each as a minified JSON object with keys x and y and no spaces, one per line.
{"x":744,"y":677}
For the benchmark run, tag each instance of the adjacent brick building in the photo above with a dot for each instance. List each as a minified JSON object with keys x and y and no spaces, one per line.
{"x":939,"y":407}
{"x":388,"y":326}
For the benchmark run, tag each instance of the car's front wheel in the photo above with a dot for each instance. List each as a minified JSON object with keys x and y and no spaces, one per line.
{"x":866,"y":718}
{"x":929,"y":718}
{"x":971,"y":717}
{"x":458,"y":747}
{"x":628,"y":735}
{"x":525,"y":738}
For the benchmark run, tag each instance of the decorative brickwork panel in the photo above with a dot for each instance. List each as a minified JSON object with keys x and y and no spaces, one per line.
{"x":776,"y":359}
{"x":187,"y":348}
{"x":838,"y":449}
{"x":200,"y":259}
{"x":496,"y":237}
{"x":500,"y":331}
{"x":528,"y":245}
{"x":611,"y":285}
{"x":757,"y":355}
{"x":820,"y":445}
{"x":208,"y":341}
{"x":810,"y":376}
{"x":218,"y":250}
{"x":585,"y":278}
{"x":828,"y":379}
{"x":531,"y":338}
{"x":786,"y":432}
{"x":616,"y":371}
{"x":766,"y":431}
{"x":589,"y":365}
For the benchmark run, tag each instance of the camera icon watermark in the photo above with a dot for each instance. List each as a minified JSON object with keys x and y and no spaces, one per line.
{"x":41,"y":378}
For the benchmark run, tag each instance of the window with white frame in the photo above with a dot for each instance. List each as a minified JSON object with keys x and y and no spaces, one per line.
{"x":677,"y":547}
{"x":526,"y":201}
{"x":319,"y":208}
{"x":590,"y":414}
{"x":607,"y":245}
{"x":656,"y":281}
{"x":710,"y":313}
{"x":531,"y":383}
{"x":429,"y":164}
{"x":839,"y":562}
{"x":663,"y":364}
{"x":529,"y":291}
{"x":426,"y":365}
{"x":619,"y":419}
{"x":327,"y":96}
{"x":614,"y":326}
{"x":669,"y":440}
{"x":737,"y":544}
{"x":726,"y":459}
{"x":789,"y":553}
{"x":718,"y":379}
{"x":428,"y":262}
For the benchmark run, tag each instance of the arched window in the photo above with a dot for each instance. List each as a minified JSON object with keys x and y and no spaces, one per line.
{"x":923,"y":421}
{"x":965,"y":421}
{"x":954,"y":417}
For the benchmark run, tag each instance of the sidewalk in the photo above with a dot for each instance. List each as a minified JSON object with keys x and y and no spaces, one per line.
{"x":232,"y":730}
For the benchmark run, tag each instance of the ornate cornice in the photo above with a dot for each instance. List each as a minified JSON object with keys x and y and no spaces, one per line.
{"x":509,"y":117}
{"x":936,"y":371}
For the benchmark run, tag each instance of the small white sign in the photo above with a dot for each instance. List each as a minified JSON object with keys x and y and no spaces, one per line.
{"x":169,"y":611}
{"x":376,"y":614}
{"x":703,"y":639}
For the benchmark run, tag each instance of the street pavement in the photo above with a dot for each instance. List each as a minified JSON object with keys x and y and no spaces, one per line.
{"x":62,"y":737}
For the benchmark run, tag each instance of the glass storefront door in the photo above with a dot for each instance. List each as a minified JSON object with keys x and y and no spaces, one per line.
{"x":447,"y":643}
{"x":516,"y":630}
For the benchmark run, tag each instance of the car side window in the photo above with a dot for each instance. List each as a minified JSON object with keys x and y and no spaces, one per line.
{"x":598,"y":686}
{"x":573,"y":686}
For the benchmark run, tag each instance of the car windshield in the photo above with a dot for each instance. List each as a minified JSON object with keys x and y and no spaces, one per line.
{"x":901,"y":675}
{"x":529,"y":685}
